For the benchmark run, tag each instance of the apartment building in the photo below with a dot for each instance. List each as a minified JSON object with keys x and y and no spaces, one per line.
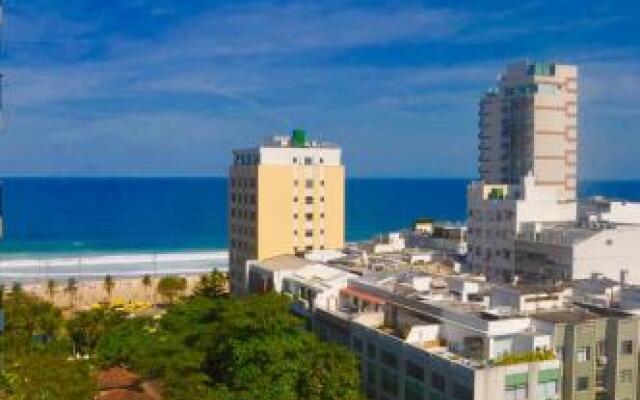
{"x":495,"y":216}
{"x":424,"y":342}
{"x":528,"y":123}
{"x":286,"y":196}
{"x":553,"y":252}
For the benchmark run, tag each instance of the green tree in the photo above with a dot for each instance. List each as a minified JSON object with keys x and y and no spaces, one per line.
{"x":46,"y":377}
{"x":29,"y":321}
{"x":88,"y":327}
{"x":212,"y":285}
{"x":170,"y":287}
{"x":220,"y":348}
{"x":109,"y":284}
{"x":51,"y":289}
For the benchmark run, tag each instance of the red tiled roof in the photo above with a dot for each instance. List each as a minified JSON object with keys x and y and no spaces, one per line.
{"x":123,"y":394}
{"x":117,"y":378}
{"x":350,"y":291}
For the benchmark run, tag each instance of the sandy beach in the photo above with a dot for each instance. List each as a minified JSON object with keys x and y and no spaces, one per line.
{"x":92,"y":291}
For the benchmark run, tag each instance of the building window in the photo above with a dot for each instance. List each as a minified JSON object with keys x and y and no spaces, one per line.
{"x":389,"y":381}
{"x":371,"y":351}
{"x":322,"y":231}
{"x":438,"y":381}
{"x":321,"y":160}
{"x":308,"y":161}
{"x":322,"y":199}
{"x":462,"y":392}
{"x":308,"y":184}
{"x":389,"y":359}
{"x":415,"y":371}
{"x":626,"y":375}
{"x":295,"y":160}
{"x":548,"y":390}
{"x":321,"y":215}
{"x":582,"y":383}
{"x":626,"y":347}
{"x":515,"y":393}
{"x":371,"y":374}
{"x":583,"y":354}
{"x":308,"y":233}
{"x":295,"y":199}
{"x":308,"y":200}
{"x":295,"y":233}
{"x":295,"y":182}
{"x":295,"y":216}
{"x":308,"y":216}
{"x":321,"y":183}
{"x":357,"y":344}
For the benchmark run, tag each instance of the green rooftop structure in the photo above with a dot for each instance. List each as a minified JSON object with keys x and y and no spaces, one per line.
{"x":299,"y":138}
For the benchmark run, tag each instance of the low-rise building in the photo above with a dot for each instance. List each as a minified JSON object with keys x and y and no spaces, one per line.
{"x":310,"y":283}
{"x":565,"y":252}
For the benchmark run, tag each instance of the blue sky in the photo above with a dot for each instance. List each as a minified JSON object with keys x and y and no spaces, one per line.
{"x":159,"y":87}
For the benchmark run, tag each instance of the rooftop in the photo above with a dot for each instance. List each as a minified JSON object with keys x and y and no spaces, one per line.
{"x":285,"y":262}
{"x":566,"y":316}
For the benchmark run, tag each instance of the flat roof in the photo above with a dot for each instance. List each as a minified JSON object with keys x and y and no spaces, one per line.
{"x":285,"y":262}
{"x":571,"y":316}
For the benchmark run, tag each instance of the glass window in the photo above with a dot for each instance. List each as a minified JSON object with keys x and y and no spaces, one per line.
{"x":371,"y":374}
{"x":548,"y":390}
{"x":438,"y":381}
{"x":308,"y":200}
{"x":357,"y":344}
{"x":583,"y":354}
{"x":462,"y":392}
{"x":415,"y":371}
{"x":371,"y":350}
{"x":582,"y":383}
{"x":627,"y":347}
{"x":516,"y":393}
{"x":388,"y":359}
{"x":389,"y":381}
{"x":308,"y":183}
{"x":308,"y":216}
{"x":626,"y":375}
{"x":308,"y":161}
{"x":413,"y":390}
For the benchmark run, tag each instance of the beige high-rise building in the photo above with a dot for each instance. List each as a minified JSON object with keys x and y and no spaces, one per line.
{"x":529,"y":124}
{"x":286,"y":196}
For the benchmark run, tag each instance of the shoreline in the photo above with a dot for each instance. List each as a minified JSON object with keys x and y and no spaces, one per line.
{"x":96,"y":265}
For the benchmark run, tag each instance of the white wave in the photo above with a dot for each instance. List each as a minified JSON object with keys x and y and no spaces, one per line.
{"x":112,"y":259}
{"x":125,"y":264}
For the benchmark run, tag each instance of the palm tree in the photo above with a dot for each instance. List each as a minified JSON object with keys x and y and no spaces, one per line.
{"x":72,"y":290}
{"x":146,"y":282}
{"x":16,"y":289}
{"x":51,"y":289}
{"x":109,"y":284}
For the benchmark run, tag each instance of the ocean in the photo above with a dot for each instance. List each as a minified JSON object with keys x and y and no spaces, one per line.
{"x":138,"y":215}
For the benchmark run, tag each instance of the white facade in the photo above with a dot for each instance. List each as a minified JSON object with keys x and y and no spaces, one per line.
{"x":568,"y":253}
{"x":496,"y":214}
{"x":313,"y":284}
{"x":599,"y":210}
